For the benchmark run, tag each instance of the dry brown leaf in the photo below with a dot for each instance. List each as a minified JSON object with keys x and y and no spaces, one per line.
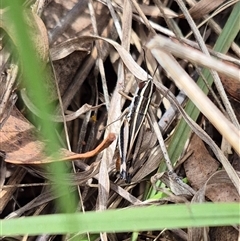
{"x":231,"y":85}
{"x":200,"y":165}
{"x":204,"y":7}
{"x":219,"y":178}
{"x":220,"y":189}
{"x":65,"y":48}
{"x":18,"y":139}
{"x":222,"y":192}
{"x":224,"y":234}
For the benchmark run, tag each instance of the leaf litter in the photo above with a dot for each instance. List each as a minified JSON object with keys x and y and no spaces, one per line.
{"x":95,"y":55}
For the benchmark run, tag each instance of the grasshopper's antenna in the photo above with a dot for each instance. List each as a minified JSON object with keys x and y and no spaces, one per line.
{"x":119,"y":118}
{"x":155,"y":69}
{"x":145,"y":63}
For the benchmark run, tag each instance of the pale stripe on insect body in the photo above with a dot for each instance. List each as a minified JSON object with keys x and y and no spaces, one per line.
{"x":131,"y":125}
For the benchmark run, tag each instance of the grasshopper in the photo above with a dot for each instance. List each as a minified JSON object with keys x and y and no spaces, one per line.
{"x":131,"y":125}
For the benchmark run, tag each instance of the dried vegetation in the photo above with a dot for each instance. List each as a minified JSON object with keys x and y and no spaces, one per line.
{"x":98,"y":50}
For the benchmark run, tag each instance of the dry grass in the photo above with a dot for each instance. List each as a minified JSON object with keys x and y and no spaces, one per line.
{"x":95,"y":50}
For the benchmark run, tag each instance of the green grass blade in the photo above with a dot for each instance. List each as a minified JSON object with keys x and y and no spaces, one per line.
{"x":33,"y":79}
{"x":135,"y":219}
{"x":230,"y":31}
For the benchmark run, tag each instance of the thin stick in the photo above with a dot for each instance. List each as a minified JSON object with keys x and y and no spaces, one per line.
{"x":156,"y":127}
{"x":103,"y":145}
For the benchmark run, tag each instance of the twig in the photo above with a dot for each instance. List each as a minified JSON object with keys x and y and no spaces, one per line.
{"x":103,"y":145}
